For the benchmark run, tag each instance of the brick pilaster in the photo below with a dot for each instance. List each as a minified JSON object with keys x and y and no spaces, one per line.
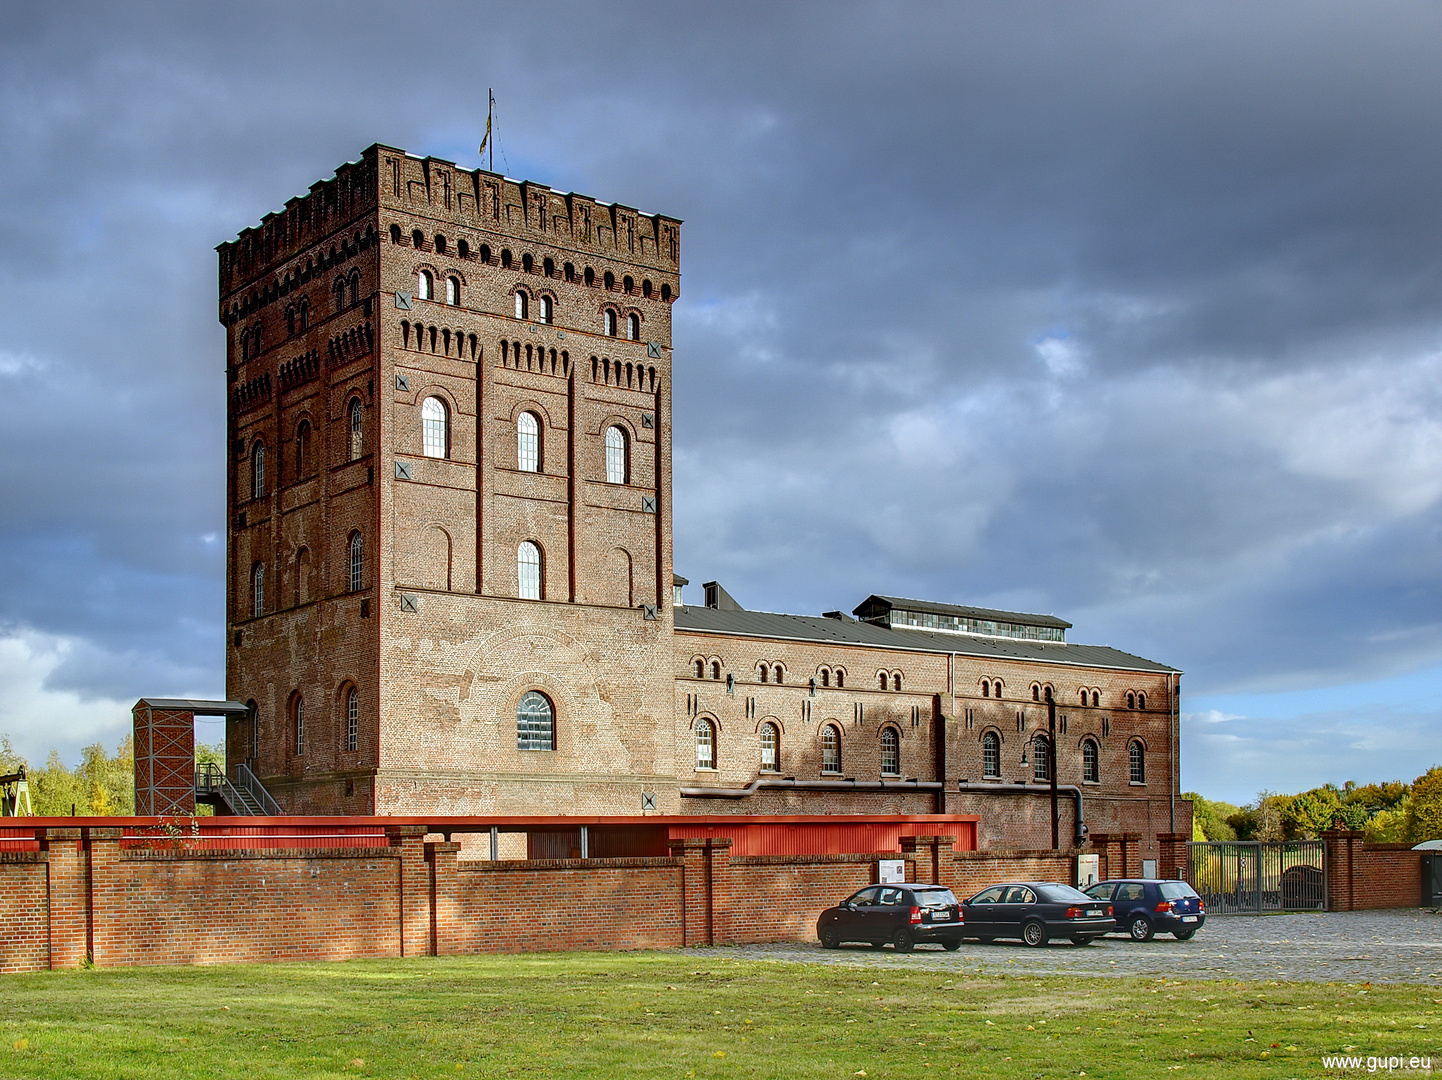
{"x":695,"y":891}
{"x":414,"y":888}
{"x":929,"y":859}
{"x":1341,"y":847}
{"x":441,"y":858}
{"x":107,"y":882}
{"x":718,"y":851}
{"x":1173,"y":860}
{"x":68,"y":890}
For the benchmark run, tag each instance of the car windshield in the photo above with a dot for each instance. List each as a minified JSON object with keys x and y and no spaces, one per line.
{"x":1177,"y":890}
{"x":1062,"y":894}
{"x":934,"y":898}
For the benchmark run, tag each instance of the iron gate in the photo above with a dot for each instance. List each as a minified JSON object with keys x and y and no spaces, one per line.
{"x":1251,"y":876}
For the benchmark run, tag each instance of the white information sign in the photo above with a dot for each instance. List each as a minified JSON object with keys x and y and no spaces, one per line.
{"x":1088,"y":870}
{"x":891,"y":871}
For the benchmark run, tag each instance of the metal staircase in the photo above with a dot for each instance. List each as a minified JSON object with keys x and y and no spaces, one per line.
{"x":245,"y":796}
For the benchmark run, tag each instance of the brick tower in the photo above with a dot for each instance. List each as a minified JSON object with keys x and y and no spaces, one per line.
{"x":449,"y":563}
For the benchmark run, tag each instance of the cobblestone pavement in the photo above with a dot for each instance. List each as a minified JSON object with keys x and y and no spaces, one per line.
{"x":1354,"y":946}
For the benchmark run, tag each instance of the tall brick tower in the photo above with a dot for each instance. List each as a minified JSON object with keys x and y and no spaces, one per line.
{"x":449,"y":579}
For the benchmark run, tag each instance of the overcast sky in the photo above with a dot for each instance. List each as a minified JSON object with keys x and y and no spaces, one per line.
{"x":1127,"y":312}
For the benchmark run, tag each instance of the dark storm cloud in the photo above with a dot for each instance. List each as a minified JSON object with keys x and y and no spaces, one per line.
{"x":1126,"y":312}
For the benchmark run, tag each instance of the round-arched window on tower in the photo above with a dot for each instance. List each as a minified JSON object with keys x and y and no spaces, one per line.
{"x":528,"y":571}
{"x":435,"y":434}
{"x":633,"y":327}
{"x":830,"y":749}
{"x":528,"y":443}
{"x":535,"y":722}
{"x":890,"y":752}
{"x":1137,"y":759}
{"x":1091,"y":763}
{"x":991,"y":755}
{"x":770,"y":748}
{"x":618,"y":457}
{"x":425,"y":285}
{"x":705,"y":744}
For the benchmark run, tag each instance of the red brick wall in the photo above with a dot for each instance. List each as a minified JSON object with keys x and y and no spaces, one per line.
{"x":778,"y":897}
{"x":974,"y":870}
{"x":1363,"y":876}
{"x":24,"y":911}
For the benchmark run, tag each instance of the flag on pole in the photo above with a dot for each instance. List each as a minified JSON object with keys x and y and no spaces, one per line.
{"x":487,"y":137}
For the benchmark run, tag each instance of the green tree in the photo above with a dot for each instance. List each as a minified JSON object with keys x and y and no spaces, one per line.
{"x":1424,"y":809}
{"x":1209,"y":818}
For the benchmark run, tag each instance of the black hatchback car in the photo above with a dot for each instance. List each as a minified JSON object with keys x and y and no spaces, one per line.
{"x":900,"y":914}
{"x":1036,"y":912}
{"x":1145,"y":906}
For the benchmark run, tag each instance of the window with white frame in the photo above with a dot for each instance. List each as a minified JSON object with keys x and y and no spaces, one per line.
{"x":770,"y":748}
{"x":1041,"y":763}
{"x":425,"y":285}
{"x":633,"y":327}
{"x":357,"y":562}
{"x":523,"y":304}
{"x":257,"y":471}
{"x":610,"y":323}
{"x":830,"y":749}
{"x":1091,"y":763}
{"x":705,"y":744}
{"x":357,"y":428}
{"x":543,"y":309}
{"x":453,"y":291}
{"x":352,"y":720}
{"x":528,"y":442}
{"x":435,"y":436}
{"x":991,"y":756}
{"x":618,"y":465}
{"x":1137,"y":755}
{"x":535,"y":722}
{"x":299,"y":713}
{"x":890,"y":752}
{"x":257,"y":589}
{"x":528,"y":571}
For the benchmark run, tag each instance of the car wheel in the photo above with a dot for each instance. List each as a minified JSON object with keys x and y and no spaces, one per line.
{"x":1034,"y":934}
{"x":829,"y":938}
{"x":1183,"y":935}
{"x":952,"y":945}
{"x":1140,"y":928}
{"x":902,"y":941}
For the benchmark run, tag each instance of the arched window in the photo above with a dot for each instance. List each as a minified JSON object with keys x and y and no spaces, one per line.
{"x":896,"y":681}
{"x":463,"y":249}
{"x":618,"y":463}
{"x":522,"y":304}
{"x":357,"y":562}
{"x":543,"y":310}
{"x":1091,"y":763}
{"x":646,"y":288}
{"x":700,"y":668}
{"x":985,"y":688}
{"x":506,"y":258}
{"x":302,"y":448}
{"x":257,"y":471}
{"x":628,"y":284}
{"x":352,"y":720}
{"x":1141,"y":701}
{"x":830,"y":749}
{"x":440,"y":243}
{"x":435,"y":429}
{"x":528,"y":262}
{"x":485,"y":255}
{"x":357,"y":429}
{"x":881,"y":678}
{"x":1131,"y":700}
{"x":453,"y":291}
{"x":535,"y":722}
{"x":633,"y":327}
{"x":705,"y":745}
{"x":1096,"y":698}
{"x":1137,"y":756}
{"x":298,"y":714}
{"x":666,"y":293}
{"x":339,"y":291}
{"x":609,"y":279}
{"x":765,"y":672}
{"x":778,"y":673}
{"x":991,"y":756}
{"x":257,"y":589}
{"x":425,"y":285}
{"x":355,"y":287}
{"x":770,"y":748}
{"x":890,"y":752}
{"x":548,"y":266}
{"x":528,"y":571}
{"x":395,"y":234}
{"x":825,"y":676}
{"x":996,"y":688}
{"x":610,"y":323}
{"x":528,"y":443}
{"x":418,"y":239}
{"x":1035,"y":692}
{"x":840,"y":678}
{"x":715,"y":669}
{"x":1041,"y":765}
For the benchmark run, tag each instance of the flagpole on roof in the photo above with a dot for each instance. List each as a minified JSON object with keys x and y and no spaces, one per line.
{"x":487,"y":140}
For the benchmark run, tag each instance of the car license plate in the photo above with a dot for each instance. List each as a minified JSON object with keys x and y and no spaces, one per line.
{"x":1092,"y":912}
{"x":1189,"y":918}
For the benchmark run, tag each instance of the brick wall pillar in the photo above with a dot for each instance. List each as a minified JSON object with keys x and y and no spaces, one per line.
{"x":718,"y":850}
{"x":1104,"y":846}
{"x":1173,"y":860}
{"x":1341,"y":847}
{"x":414,"y":887}
{"x":441,"y":858}
{"x":705,"y":889}
{"x":1131,"y":845}
{"x":929,"y":859}
{"x":68,"y":896}
{"x":108,"y":880}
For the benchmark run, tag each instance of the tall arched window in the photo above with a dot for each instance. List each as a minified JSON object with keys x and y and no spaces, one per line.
{"x":522,"y":305}
{"x":896,"y":681}
{"x":985,"y":688}
{"x":357,"y":562}
{"x":890,"y":752}
{"x":770,"y":748}
{"x":610,"y":323}
{"x":453,"y":291}
{"x":543,"y":309}
{"x":302,"y":448}
{"x":528,"y":571}
{"x":778,"y":673}
{"x":881,"y":678}
{"x":528,"y":443}
{"x":991,"y":756}
{"x":257,"y":471}
{"x":700,"y":667}
{"x":1096,"y":699}
{"x":535,"y":722}
{"x":257,"y":589}
{"x":1131,"y":700}
{"x":357,"y":429}
{"x":435,"y":434}
{"x":1041,"y":766}
{"x":765,"y":672}
{"x":618,"y":457}
{"x":716,"y":669}
{"x":825,"y":675}
{"x":425,"y":285}
{"x":633,"y":327}
{"x":1137,"y":755}
{"x":840,"y":678}
{"x":1141,"y":701}
{"x":705,"y":744}
{"x":297,"y":710}
{"x":830,"y":749}
{"x":352,"y":720}
{"x":339,"y":291}
{"x":1091,"y":763}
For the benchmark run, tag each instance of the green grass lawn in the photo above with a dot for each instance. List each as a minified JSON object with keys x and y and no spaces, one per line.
{"x":697,"y":1013}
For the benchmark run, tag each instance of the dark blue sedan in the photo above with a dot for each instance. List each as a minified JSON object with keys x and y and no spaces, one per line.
{"x":1145,"y":907}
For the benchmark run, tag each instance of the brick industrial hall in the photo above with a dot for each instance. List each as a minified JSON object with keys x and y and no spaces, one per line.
{"x":461,"y":660}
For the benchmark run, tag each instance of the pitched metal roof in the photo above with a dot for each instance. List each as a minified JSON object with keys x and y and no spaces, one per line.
{"x":990,"y":614}
{"x":765,"y":624}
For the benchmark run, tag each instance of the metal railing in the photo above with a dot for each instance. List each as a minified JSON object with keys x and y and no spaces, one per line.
{"x":1252,"y":876}
{"x":246,"y":795}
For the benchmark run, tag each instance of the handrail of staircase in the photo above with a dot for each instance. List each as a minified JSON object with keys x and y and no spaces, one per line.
{"x":248,"y":782}
{"x":208,"y":777}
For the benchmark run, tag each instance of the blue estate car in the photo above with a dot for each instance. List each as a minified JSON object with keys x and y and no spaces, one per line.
{"x":1145,"y":906}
